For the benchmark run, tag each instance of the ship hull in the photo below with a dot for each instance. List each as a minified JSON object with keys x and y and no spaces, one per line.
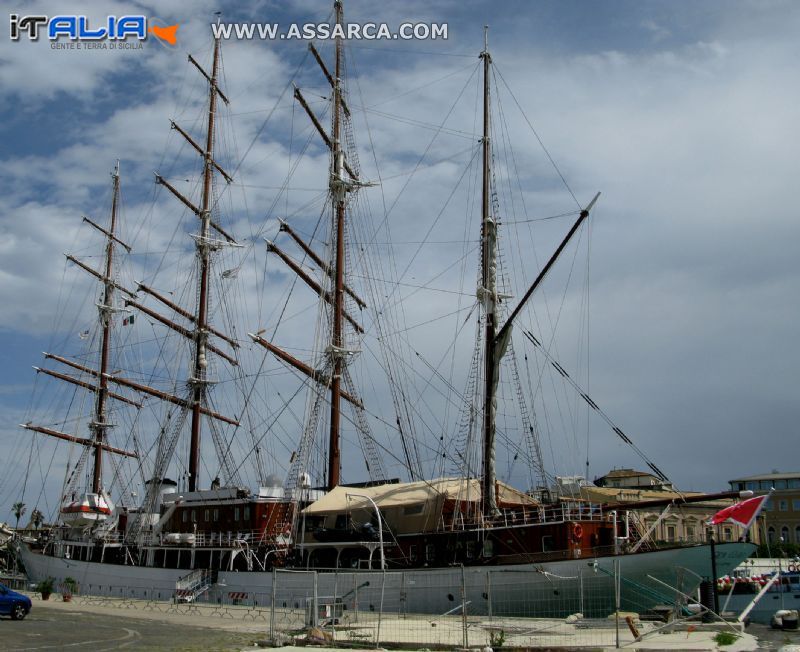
{"x":552,"y":589}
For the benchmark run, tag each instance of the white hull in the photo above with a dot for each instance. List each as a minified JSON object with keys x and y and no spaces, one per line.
{"x":549,"y":589}
{"x":765,"y":608}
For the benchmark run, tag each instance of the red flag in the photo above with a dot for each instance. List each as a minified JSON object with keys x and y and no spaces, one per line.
{"x":743,"y":513}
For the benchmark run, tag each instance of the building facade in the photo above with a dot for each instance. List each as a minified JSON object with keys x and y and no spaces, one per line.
{"x":682,"y":522}
{"x":780,"y":520}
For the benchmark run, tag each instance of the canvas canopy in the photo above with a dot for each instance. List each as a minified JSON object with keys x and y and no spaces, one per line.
{"x":403,"y":494}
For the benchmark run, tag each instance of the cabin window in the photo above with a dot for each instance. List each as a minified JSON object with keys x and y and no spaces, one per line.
{"x":247,"y":513}
{"x":341,"y":521}
{"x":194,"y":516}
{"x":412,"y":552}
{"x":236,"y":514}
{"x":547,"y":543}
{"x":216,"y":515}
{"x":185,"y":516}
{"x":470,"y":550}
{"x":430,"y":552}
{"x":206,"y":519}
{"x":411,"y":510}
{"x":488,"y":548}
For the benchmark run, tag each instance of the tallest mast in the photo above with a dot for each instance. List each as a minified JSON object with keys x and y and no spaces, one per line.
{"x":338,"y":192}
{"x":199,"y":379}
{"x":489,"y":295}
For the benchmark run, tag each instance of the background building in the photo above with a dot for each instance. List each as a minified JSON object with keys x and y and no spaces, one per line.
{"x":681,"y":523}
{"x":781,"y":515}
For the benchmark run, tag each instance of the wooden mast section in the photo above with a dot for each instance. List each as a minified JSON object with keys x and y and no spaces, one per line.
{"x":199,"y":379}
{"x":338,"y":192}
{"x":488,"y":295}
{"x":497,"y":338}
{"x":100,"y":424}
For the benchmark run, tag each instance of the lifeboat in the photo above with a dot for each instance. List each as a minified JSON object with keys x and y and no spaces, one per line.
{"x":89,"y":509}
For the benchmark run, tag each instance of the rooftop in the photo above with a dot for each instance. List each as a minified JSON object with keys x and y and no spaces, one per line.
{"x":768,"y":476}
{"x":626,"y":473}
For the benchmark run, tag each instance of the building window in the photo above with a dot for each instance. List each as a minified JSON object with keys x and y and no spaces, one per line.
{"x":690,"y":532}
{"x":796,"y":504}
{"x":770,"y":506}
{"x":780,"y":484}
{"x":783,"y":505}
{"x":794,"y":483}
{"x":670,"y":533}
{"x":797,"y":534}
{"x":470,"y":550}
{"x":727,"y":534}
{"x":785,"y":534}
{"x":771,"y":534}
{"x":430,"y":552}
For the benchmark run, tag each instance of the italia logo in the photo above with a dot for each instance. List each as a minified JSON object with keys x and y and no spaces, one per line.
{"x":80,"y":28}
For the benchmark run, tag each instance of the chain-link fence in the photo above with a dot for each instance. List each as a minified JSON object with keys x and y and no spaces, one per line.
{"x":449,"y":608}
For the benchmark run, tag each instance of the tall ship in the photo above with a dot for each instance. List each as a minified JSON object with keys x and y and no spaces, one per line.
{"x":205,"y":369}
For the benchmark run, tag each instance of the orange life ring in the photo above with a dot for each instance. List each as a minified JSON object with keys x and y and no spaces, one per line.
{"x":577,"y":532}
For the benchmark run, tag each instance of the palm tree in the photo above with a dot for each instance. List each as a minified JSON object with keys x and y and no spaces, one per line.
{"x":18,"y":509}
{"x":37,"y":518}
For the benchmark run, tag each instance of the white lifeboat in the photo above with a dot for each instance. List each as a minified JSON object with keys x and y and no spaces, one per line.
{"x":88,"y":509}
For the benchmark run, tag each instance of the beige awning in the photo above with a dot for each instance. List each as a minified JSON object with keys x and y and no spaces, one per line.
{"x":341,"y":499}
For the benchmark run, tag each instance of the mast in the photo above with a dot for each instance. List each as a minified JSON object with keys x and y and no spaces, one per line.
{"x":338,"y":191}
{"x":100,"y":425}
{"x":489,"y":296}
{"x":199,"y":380}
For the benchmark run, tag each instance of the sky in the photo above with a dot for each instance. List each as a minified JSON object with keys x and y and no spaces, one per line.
{"x":683,"y":114}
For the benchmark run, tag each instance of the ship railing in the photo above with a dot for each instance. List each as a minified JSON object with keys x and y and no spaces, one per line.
{"x":526,"y":515}
{"x":206,"y":539}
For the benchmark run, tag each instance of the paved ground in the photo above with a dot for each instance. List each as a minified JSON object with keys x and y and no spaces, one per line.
{"x":774,"y":639}
{"x":57,"y":627}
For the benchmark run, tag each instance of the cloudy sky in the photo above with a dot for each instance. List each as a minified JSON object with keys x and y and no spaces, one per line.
{"x":682,"y":113}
